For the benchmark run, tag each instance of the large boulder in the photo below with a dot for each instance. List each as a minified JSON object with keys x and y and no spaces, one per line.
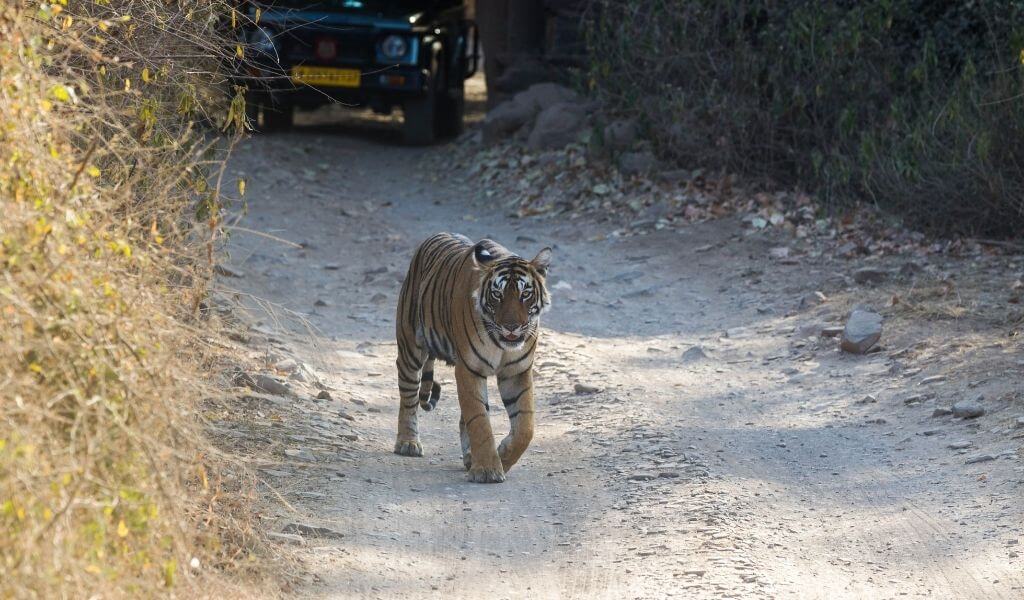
{"x":505,"y":119}
{"x":557,"y":126}
{"x":521,"y":75}
{"x":545,"y":95}
{"x":512,"y":115}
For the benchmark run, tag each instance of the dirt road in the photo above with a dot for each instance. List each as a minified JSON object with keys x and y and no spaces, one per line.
{"x":755,"y":467}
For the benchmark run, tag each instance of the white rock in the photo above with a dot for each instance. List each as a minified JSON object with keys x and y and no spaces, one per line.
{"x":694,"y":354}
{"x":863,"y":330}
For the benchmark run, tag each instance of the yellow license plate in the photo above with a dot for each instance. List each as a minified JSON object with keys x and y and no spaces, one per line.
{"x":326,"y":76}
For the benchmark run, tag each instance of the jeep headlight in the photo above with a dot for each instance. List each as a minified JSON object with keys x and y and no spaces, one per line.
{"x":394,"y":47}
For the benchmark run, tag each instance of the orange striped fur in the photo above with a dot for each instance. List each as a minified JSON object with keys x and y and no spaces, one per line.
{"x":477,"y":307}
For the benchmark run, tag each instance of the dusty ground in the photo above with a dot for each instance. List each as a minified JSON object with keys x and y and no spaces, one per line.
{"x":759,"y":470}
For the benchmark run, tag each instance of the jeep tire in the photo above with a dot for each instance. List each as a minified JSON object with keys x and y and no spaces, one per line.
{"x":418,"y":115}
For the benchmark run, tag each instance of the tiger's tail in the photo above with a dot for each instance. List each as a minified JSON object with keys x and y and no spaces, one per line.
{"x":430,"y":390}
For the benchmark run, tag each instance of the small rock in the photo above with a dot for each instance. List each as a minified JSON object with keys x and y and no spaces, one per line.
{"x":668,"y":474}
{"x":694,"y":354}
{"x":636,"y":163}
{"x":876,"y":421}
{"x":310,"y":531}
{"x":863,"y":330}
{"x":582,"y":388}
{"x":288,"y":365}
{"x":809,"y":330}
{"x":870,"y":275}
{"x":1018,"y":423}
{"x":968,"y":409}
{"x":832,"y":331}
{"x":942,"y":411}
{"x":931,"y":432}
{"x":324,"y":395}
{"x":910,"y":269}
{"x":869,"y":399}
{"x":979,"y":459}
{"x":932,"y":379}
{"x":915,"y":399}
{"x":300,"y":453}
{"x":779,"y":252}
{"x":288,"y":538}
{"x":226,"y":271}
{"x":813,"y":299}
{"x":242,"y":379}
{"x":642,"y":476}
{"x":332,"y":266}
{"x":270,"y":385}
{"x":620,"y":135}
{"x":675,"y":176}
{"x":963,"y":445}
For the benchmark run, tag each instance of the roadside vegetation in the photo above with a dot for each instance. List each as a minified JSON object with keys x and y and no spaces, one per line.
{"x":911,"y":105}
{"x":111,"y":196}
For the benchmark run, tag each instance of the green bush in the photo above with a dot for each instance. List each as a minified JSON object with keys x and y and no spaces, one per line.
{"x":915,"y":105}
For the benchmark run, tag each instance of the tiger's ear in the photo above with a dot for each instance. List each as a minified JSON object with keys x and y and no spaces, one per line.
{"x":542,"y":261}
{"x":482,"y":252}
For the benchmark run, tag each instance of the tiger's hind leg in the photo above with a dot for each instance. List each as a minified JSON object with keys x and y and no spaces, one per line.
{"x":410,"y":361}
{"x":430,"y":390}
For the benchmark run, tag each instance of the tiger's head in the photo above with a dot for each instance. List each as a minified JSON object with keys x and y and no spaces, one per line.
{"x":512,"y":293}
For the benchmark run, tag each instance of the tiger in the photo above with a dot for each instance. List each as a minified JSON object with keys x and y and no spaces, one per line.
{"x":476,"y":306}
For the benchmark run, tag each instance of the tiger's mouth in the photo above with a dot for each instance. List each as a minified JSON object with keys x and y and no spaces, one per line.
{"x":512,"y":338}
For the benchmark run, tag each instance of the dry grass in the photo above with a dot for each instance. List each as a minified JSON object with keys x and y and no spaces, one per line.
{"x":106,"y":244}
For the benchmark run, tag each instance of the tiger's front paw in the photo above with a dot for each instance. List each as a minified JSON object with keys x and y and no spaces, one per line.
{"x":408,"y":448}
{"x":467,"y":460}
{"x":486,"y":474}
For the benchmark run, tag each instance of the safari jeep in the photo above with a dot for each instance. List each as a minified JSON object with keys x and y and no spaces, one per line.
{"x":377,"y":53}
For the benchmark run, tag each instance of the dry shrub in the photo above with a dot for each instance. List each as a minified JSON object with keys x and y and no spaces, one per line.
{"x":106,"y":485}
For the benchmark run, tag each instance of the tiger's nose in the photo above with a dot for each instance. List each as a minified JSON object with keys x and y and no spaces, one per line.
{"x":511,"y":326}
